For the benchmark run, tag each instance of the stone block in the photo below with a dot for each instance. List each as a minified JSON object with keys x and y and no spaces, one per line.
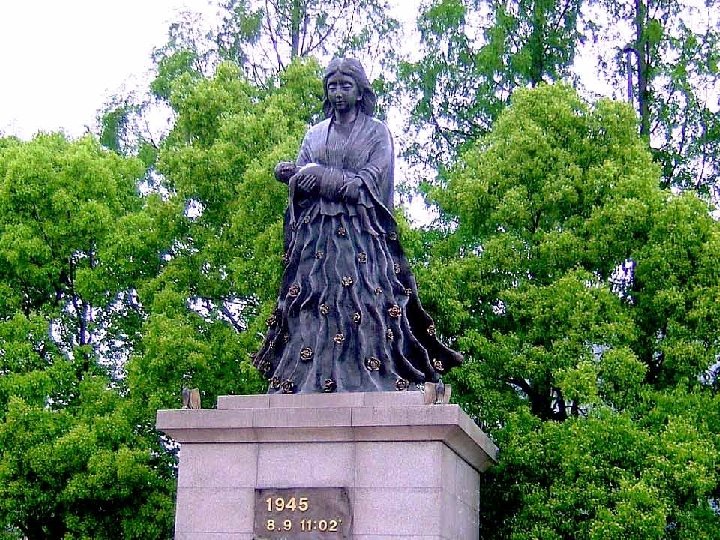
{"x":397,"y":512}
{"x":346,"y":399}
{"x":317,"y":417}
{"x":215,"y":510}
{"x":458,"y":520}
{"x":396,"y":536}
{"x":213,"y":536}
{"x":305,"y":464}
{"x":303,"y":424}
{"x":217,"y":465}
{"x":448,"y":469}
{"x":258,"y":401}
{"x":411,"y":470}
{"x":393,"y":399}
{"x":423,"y":415}
{"x":398,"y":464}
{"x":467,"y":482}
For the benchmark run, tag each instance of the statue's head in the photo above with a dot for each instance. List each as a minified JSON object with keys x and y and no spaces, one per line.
{"x":352,"y":68}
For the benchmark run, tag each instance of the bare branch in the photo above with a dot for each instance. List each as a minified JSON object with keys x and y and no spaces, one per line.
{"x":330,"y":30}
{"x":271,"y":33}
{"x":231,"y":318}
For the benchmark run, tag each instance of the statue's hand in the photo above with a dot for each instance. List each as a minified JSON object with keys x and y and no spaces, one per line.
{"x":284,"y":171}
{"x":312,"y":169}
{"x":350,"y":192}
{"x":307,"y":183}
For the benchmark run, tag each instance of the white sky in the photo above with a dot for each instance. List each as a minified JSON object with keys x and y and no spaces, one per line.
{"x":61,"y":59}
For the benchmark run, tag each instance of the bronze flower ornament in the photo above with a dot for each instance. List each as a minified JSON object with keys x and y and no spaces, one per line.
{"x":348,"y":318}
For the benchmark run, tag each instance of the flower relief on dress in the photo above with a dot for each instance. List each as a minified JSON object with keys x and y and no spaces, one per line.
{"x":348,"y":317}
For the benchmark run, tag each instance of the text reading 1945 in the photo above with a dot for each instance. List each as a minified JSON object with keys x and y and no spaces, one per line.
{"x":302,"y":513}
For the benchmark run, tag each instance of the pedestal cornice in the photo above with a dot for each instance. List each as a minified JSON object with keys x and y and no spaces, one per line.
{"x":349,"y":417}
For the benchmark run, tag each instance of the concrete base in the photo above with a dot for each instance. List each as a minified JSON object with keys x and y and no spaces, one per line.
{"x":411,"y":470}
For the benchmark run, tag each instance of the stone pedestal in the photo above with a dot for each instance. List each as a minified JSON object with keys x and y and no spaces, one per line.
{"x":410,"y":470}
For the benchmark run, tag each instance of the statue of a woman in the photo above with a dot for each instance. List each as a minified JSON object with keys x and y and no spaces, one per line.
{"x":348,"y":317}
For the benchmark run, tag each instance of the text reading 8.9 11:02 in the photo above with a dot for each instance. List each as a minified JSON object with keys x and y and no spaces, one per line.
{"x":305,"y":525}
{"x":302,"y":513}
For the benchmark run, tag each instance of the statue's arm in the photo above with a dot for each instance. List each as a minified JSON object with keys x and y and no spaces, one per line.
{"x":285,"y":170}
{"x":376,"y":175}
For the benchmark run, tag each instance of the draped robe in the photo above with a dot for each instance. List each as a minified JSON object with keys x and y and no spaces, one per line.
{"x":348,"y":317}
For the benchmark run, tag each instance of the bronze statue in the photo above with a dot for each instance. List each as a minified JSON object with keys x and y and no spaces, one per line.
{"x":348,"y":317}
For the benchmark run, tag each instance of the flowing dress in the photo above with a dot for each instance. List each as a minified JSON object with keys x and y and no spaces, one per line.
{"x":348,"y":317}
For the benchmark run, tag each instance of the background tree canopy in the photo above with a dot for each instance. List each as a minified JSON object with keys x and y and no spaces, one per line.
{"x":573,"y":262}
{"x":585,"y":297}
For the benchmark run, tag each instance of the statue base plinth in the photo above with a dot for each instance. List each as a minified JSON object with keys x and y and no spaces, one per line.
{"x":409,"y":469}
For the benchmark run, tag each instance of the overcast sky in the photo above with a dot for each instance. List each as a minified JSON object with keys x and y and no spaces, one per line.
{"x":61,"y":59}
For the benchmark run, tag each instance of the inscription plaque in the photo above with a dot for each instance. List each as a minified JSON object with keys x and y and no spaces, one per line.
{"x":302,"y":513}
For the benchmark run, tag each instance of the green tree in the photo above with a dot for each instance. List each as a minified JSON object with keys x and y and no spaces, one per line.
{"x":112,"y":302}
{"x":207,"y":306}
{"x":585,"y":299}
{"x":73,"y":463}
{"x":265,"y":36}
{"x":474,"y":54}
{"x":674,"y":80}
{"x":262,"y":37}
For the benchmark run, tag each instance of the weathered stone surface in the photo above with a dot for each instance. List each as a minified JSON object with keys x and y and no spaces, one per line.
{"x":217,"y":465}
{"x":305,"y":464}
{"x":215,"y":510}
{"x":213,"y":536}
{"x":397,"y":511}
{"x":382,"y":416}
{"x":411,"y":470}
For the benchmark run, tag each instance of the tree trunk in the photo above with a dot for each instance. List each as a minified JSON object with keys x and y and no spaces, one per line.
{"x":537,"y":46}
{"x":643,"y":57}
{"x":295,"y":24}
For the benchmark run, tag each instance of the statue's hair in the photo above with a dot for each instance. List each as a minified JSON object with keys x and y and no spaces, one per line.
{"x":352,"y":68}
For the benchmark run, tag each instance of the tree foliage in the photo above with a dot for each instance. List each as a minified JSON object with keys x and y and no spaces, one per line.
{"x":264,"y":36}
{"x":474,"y":55}
{"x":584,"y":295}
{"x":223,"y":266}
{"x":675,"y":80}
{"x":585,"y":298}
{"x":112,"y":301}
{"x":72,"y":460}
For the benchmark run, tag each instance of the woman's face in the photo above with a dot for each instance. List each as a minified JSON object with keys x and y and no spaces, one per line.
{"x":342,"y":92}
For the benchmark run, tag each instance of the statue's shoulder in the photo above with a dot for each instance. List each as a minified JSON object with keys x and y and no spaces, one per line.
{"x":320,"y":127}
{"x":378,"y":127}
{"x":379,"y":124}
